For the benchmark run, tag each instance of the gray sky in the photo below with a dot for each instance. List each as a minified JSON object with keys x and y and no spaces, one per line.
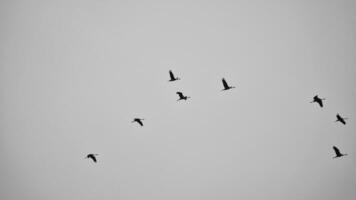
{"x":73,"y":75}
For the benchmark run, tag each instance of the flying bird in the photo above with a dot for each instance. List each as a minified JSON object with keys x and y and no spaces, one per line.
{"x":92,"y":156}
{"x":138,"y":120}
{"x":337,"y":152}
{"x":340,"y":119}
{"x":181,"y":96}
{"x":173,"y":78}
{"x":226,"y":86}
{"x":318,"y":100}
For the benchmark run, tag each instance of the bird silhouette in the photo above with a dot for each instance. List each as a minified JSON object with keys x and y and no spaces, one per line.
{"x":318,"y":100}
{"x":173,"y":78}
{"x":226,"y":86}
{"x":340,"y":119}
{"x":182,"y":97}
{"x":92,"y":156}
{"x":138,"y":120}
{"x":337,"y":152}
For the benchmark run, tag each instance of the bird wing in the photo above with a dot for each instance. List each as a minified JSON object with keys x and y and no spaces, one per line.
{"x":320,"y":102}
{"x":225,"y":83}
{"x":340,"y":119}
{"x":140,"y":122}
{"x":337,"y":151}
{"x":92,"y":157}
{"x":180,"y":94}
{"x":171,"y":75}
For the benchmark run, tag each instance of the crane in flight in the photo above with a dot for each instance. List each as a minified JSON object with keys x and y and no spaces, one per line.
{"x":226,"y":86}
{"x":338,"y":153}
{"x":318,"y":100}
{"x":182,"y":97}
{"x":173,"y":78}
{"x":138,"y":120}
{"x":340,"y":119}
{"x":92,"y":156}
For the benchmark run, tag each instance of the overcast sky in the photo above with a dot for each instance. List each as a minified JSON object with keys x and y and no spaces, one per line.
{"x":73,"y":75}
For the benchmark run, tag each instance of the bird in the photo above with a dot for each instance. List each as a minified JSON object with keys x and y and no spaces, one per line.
{"x":226,"y":86}
{"x":340,"y":119}
{"x":92,"y":156}
{"x":138,"y":120}
{"x":181,"y":96}
{"x":337,"y":152}
{"x":173,"y":78}
{"x":318,"y":100}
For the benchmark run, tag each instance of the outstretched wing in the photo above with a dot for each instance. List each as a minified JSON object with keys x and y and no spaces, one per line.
{"x":180,"y":94}
{"x":225,"y":83}
{"x":92,"y":157}
{"x":338,"y":116}
{"x":340,"y":119}
{"x":140,"y":122}
{"x":337,"y":151}
{"x":320,"y":102}
{"x":171,"y":75}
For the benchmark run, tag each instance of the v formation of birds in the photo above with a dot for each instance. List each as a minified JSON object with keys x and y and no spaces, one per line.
{"x":226,"y":86}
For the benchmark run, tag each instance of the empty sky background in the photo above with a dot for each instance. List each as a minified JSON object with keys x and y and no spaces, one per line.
{"x":73,"y":75}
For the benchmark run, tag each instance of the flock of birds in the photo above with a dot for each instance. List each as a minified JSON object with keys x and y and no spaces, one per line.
{"x":226,"y":86}
{"x":340,"y":119}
